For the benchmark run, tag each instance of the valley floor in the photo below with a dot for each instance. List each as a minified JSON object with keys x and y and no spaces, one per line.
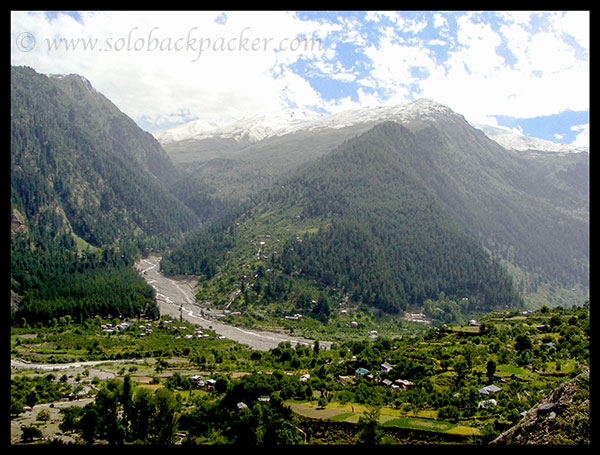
{"x":175,"y":297}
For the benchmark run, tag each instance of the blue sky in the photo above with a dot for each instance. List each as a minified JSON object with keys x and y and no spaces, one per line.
{"x":528,"y":71}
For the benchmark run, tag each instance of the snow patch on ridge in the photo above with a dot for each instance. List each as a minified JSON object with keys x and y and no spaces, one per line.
{"x":287,"y":121}
{"x":259,"y":127}
{"x":513,"y":140}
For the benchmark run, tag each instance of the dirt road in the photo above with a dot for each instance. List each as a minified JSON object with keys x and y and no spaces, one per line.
{"x":176,"y":298}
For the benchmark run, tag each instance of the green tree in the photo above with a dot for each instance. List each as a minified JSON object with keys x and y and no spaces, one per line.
{"x":141,"y":415}
{"x":164,"y":422}
{"x":108,"y":402}
{"x":279,"y":425}
{"x":127,"y":400}
{"x":461,"y":369}
{"x":30,"y":433}
{"x":31,"y":399}
{"x":523,"y":343}
{"x":244,"y":426}
{"x":70,"y":418}
{"x":88,"y":423}
{"x":490,"y":371}
{"x":369,"y":430}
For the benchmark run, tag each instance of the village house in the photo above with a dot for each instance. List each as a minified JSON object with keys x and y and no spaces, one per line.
{"x":486,"y":403}
{"x":489,"y":389}
{"x":361,"y":371}
{"x":386,"y":367}
{"x":403,"y":383}
{"x":387,"y":383}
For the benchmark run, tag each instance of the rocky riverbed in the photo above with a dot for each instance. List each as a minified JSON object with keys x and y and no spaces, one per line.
{"x":175,"y":297}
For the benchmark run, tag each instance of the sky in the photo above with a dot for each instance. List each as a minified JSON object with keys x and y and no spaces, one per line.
{"x":524,"y":70}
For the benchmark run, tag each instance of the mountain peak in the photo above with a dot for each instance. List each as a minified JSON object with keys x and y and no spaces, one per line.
{"x":76,"y":77}
{"x":253,"y":128}
{"x":275,"y":123}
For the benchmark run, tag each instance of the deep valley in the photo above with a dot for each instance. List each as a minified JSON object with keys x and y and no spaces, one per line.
{"x":378,"y":276}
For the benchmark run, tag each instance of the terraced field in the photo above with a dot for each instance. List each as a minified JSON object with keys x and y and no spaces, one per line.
{"x":389,"y":417}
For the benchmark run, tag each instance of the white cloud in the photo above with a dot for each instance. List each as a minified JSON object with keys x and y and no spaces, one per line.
{"x":546,"y":78}
{"x":583,"y":137}
{"x":163,"y":66}
{"x":548,"y":53}
{"x":440,"y":22}
{"x":437,"y":42}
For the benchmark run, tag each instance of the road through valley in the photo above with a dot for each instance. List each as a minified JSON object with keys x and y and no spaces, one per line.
{"x":176,"y":298}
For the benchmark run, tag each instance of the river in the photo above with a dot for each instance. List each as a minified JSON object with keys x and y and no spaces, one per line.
{"x":176,"y":298}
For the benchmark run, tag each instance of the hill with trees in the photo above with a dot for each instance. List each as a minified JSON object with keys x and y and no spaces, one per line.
{"x":88,"y":195}
{"x":361,"y":223}
{"x":528,"y":208}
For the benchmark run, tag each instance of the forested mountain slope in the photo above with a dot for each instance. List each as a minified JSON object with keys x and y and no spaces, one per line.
{"x":74,"y":152}
{"x":88,"y":193}
{"x":361,"y":219}
{"x":528,"y":208}
{"x":530,"y":212}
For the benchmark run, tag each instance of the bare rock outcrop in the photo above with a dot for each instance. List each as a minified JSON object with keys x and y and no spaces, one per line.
{"x":563,"y":417}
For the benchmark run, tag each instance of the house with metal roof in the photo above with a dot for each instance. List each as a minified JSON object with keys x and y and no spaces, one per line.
{"x":489,"y":389}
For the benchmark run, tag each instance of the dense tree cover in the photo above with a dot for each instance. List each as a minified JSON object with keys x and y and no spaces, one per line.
{"x":87,"y":186}
{"x":389,"y":244}
{"x":119,"y":415}
{"x":199,"y":197}
{"x":201,"y":255}
{"x":241,"y":417}
{"x":28,"y":391}
{"x":530,"y":211}
{"x":67,"y":157}
{"x":55,"y":281}
{"x":205,"y":249}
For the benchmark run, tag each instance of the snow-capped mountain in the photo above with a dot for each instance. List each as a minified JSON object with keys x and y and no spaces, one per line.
{"x":252,"y":129}
{"x":288,"y":121}
{"x":513,"y":140}
{"x":279,"y":123}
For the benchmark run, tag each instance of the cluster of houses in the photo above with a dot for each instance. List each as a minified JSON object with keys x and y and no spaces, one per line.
{"x":363,"y":373}
{"x":197,"y":332}
{"x":200,"y":382}
{"x":110,"y":328}
{"x":145,"y":329}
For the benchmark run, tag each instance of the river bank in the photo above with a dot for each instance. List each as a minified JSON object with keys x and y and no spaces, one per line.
{"x":176,"y":298}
